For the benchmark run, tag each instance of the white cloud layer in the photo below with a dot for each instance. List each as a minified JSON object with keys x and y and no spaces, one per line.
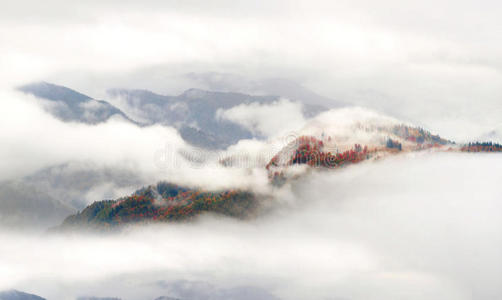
{"x":414,"y":227}
{"x":271,"y":120}
{"x":34,"y":140}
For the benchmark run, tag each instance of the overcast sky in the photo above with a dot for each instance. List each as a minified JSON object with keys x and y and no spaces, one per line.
{"x":437,"y":63}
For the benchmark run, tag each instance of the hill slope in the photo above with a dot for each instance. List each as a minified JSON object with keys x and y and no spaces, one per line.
{"x":163,"y":202}
{"x":72,"y":106}
{"x":194,"y":113}
{"x":17,"y":295}
{"x":46,"y":197}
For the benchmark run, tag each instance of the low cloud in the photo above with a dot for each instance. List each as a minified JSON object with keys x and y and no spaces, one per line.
{"x":271,"y":120}
{"x":37,"y":140}
{"x":399,"y":228}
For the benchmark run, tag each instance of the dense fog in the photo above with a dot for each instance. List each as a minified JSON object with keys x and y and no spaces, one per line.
{"x":414,"y":227}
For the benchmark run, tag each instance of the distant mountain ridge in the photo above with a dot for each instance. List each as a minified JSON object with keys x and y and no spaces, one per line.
{"x":47,"y":196}
{"x":193,"y":112}
{"x":287,"y":88}
{"x":17,"y":295}
{"x":98,"y":298}
{"x":187,"y":290}
{"x":71,"y":106}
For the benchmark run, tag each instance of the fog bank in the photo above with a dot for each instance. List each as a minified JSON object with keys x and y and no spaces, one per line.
{"x":420,"y":226}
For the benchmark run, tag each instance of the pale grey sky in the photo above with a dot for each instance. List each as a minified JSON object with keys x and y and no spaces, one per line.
{"x":436,"y":63}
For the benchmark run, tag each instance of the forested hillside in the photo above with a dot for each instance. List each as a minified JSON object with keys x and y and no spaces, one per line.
{"x":164,"y":202}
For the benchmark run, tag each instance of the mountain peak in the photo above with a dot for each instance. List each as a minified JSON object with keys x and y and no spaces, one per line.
{"x":53,"y":92}
{"x":17,"y":295}
{"x":194,"y":93}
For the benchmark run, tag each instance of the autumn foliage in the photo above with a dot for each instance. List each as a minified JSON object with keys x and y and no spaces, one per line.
{"x":164,"y":203}
{"x":482,"y":147}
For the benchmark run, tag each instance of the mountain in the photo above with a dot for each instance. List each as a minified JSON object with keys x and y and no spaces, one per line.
{"x":243,"y":293}
{"x":290,"y":89}
{"x":17,"y":295}
{"x":47,"y":196}
{"x":335,"y":140}
{"x":98,"y":298}
{"x":24,"y":205}
{"x":163,"y":202}
{"x":200,"y":290}
{"x":327,"y":151}
{"x":194,"y":113}
{"x":71,"y":106}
